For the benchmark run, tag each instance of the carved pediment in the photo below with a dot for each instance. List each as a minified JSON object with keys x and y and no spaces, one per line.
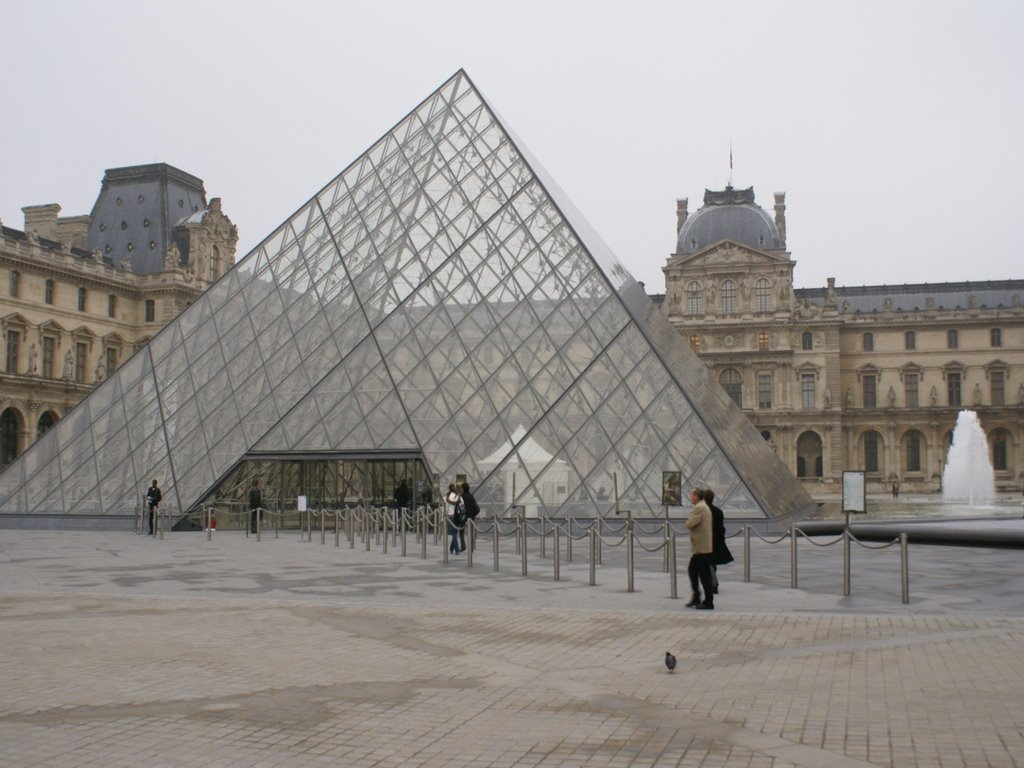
{"x":728,"y":253}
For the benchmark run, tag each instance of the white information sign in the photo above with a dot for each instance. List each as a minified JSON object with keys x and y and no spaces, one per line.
{"x":302,"y":503}
{"x":853,"y":492}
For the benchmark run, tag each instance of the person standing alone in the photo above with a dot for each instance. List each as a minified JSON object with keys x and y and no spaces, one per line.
{"x":153,"y":497}
{"x":699,"y":570}
{"x":255,"y":504}
{"x":720,"y":554}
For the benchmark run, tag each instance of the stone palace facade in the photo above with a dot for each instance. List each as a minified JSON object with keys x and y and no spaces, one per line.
{"x":864,"y":378}
{"x":80,"y":294}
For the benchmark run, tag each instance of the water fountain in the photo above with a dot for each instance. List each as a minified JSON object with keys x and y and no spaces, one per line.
{"x":968,"y":475}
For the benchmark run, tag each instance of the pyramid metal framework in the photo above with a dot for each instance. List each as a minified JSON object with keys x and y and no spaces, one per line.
{"x":441,"y":297}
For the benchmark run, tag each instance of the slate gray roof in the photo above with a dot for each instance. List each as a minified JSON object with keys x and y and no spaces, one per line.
{"x":920,"y":296}
{"x":731,"y":214}
{"x":137,"y":209}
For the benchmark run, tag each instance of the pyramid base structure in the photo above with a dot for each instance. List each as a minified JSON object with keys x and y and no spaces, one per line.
{"x":439,"y":311}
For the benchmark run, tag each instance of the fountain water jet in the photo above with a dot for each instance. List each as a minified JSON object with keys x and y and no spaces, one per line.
{"x":968,"y":475}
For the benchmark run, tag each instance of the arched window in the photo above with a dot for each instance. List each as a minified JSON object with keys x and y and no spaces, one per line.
{"x":46,"y":421}
{"x":871,"y":442}
{"x":729,"y":297}
{"x":999,"y":442}
{"x":809,"y":455}
{"x":733,"y":383}
{"x":693,"y":298}
{"x":869,"y":342}
{"x":912,"y":443}
{"x":763,"y":295}
{"x":9,"y":424}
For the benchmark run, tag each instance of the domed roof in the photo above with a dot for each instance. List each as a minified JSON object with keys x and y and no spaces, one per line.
{"x":730,"y":214}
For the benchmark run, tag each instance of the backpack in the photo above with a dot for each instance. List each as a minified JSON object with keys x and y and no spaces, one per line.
{"x":459,"y":515}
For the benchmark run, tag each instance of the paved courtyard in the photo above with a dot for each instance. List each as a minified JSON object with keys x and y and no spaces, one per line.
{"x":120,"y":650}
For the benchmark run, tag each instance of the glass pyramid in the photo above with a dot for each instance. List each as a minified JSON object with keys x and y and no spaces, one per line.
{"x":441,"y":297}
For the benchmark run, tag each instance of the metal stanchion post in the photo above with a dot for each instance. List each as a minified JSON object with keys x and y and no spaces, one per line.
{"x":792,"y":558}
{"x":402,"y":513}
{"x":259,"y":524}
{"x":543,"y":538}
{"x":393,"y":521}
{"x":629,"y":551}
{"x":366,"y":528}
{"x":600,"y":547}
{"x":209,"y":523}
{"x":495,"y":533}
{"x":593,"y":556}
{"x":323,"y":527}
{"x":557,"y":555}
{"x":672,"y":567}
{"x":423,"y":538}
{"x":664,"y":556}
{"x":568,"y":542}
{"x":904,"y":569}
{"x":386,"y":520}
{"x":160,"y":522}
{"x":337,"y":528}
{"x":447,"y":541}
{"x":846,"y":563}
{"x":522,"y":535}
{"x":746,"y":553}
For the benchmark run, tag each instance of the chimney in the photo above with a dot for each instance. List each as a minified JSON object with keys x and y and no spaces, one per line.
{"x":74,"y":230}
{"x":681,"y":213}
{"x":42,"y":219}
{"x":780,"y":217}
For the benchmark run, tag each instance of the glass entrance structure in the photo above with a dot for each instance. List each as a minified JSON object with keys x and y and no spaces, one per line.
{"x":440,"y":301}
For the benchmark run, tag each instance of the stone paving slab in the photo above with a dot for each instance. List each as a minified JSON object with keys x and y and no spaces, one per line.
{"x":123,"y":650}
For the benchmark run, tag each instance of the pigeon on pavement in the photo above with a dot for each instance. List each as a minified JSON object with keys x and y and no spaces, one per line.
{"x":670,"y":661}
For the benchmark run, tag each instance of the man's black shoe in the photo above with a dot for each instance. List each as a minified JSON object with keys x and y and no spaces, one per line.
{"x":706,"y":607}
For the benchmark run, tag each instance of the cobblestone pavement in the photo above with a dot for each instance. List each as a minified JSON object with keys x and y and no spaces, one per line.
{"x":120,"y":650}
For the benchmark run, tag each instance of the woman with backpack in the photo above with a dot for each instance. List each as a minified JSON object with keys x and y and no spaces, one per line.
{"x":456,"y":514}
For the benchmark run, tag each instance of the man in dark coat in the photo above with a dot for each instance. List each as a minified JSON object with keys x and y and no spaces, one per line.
{"x":472,"y":510}
{"x":255,"y":504}
{"x":720,"y":554}
{"x":153,"y":497}
{"x":402,"y":495}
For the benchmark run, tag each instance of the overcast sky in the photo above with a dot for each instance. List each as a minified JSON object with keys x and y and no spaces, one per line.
{"x":895,"y":128}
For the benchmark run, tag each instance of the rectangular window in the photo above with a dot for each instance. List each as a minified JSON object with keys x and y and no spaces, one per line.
{"x":914,"y":452}
{"x":13,"y":347}
{"x":81,"y":350}
{"x":150,"y":310}
{"x":868,"y":341}
{"x":998,"y":393}
{"x":111,"y":360}
{"x":49,"y":352}
{"x":807,"y":340}
{"x":764,"y":390}
{"x":48,"y":292}
{"x":762,"y":342}
{"x":996,"y":337}
{"x":870,"y":391}
{"x":910,"y":340}
{"x":953,"y":388}
{"x":807,"y":390}
{"x":81,"y":299}
{"x":111,"y":305}
{"x":952,"y":339}
{"x":910,"y":390}
{"x":15,"y":285}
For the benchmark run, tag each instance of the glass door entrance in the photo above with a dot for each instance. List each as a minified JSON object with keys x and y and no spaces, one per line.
{"x":327,"y":483}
